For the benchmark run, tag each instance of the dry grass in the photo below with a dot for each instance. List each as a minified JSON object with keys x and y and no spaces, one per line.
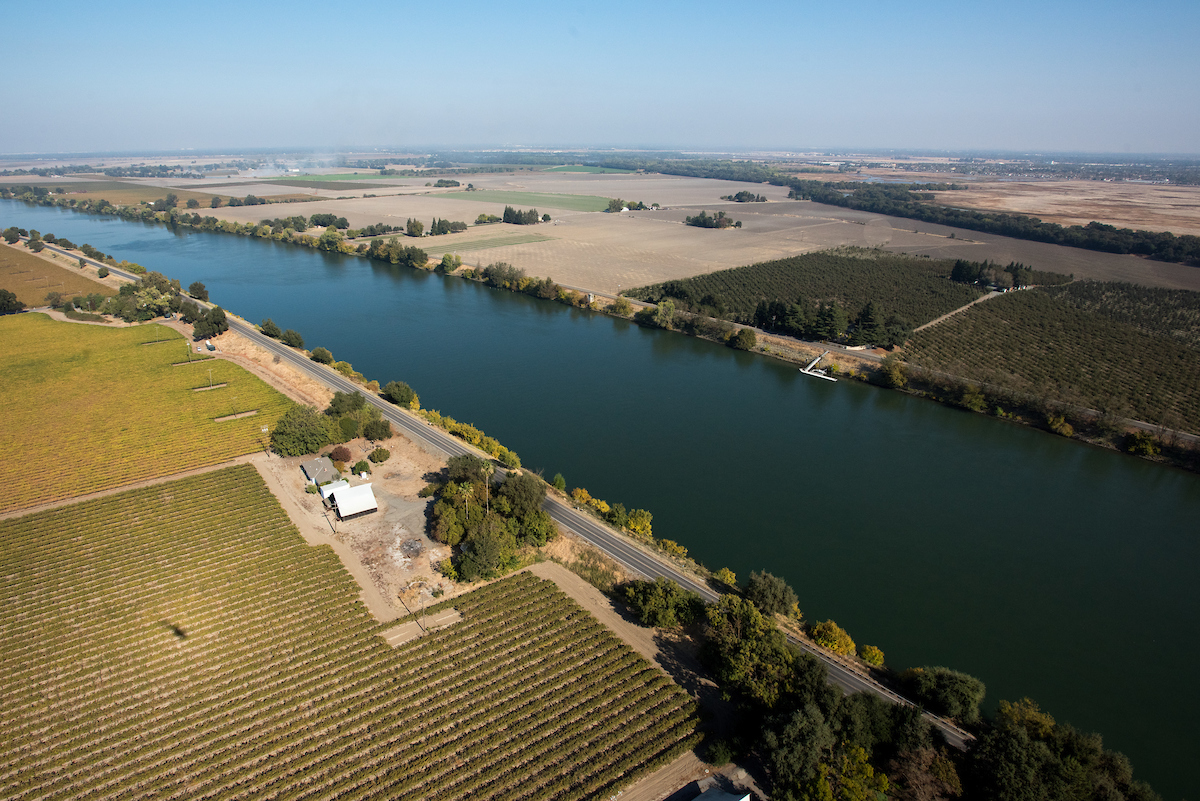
{"x":30,"y":277}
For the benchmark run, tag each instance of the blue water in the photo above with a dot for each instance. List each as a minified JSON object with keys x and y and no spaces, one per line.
{"x":1047,"y":568}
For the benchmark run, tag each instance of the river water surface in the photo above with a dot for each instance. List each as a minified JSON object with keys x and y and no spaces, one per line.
{"x":1047,"y":568}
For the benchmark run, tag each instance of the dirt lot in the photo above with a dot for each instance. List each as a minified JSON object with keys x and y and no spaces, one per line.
{"x":1150,"y":207}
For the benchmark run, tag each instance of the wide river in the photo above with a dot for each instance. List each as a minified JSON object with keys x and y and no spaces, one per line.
{"x":1048,"y":568}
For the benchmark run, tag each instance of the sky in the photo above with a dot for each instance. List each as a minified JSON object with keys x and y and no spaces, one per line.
{"x":1018,"y":76}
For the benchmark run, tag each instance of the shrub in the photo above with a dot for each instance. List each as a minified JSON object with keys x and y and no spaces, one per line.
{"x":269,"y":328}
{"x":361,"y":466}
{"x":726,"y":577}
{"x":871,"y":655}
{"x":832,"y":636}
{"x":1142,"y":443}
{"x":322,"y":355}
{"x":292,"y":339}
{"x":340,"y":454}
{"x":311,"y":489}
{"x":559,"y":483}
{"x":379,"y":455}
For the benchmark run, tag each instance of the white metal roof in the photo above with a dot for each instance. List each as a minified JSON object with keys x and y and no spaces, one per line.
{"x":353,"y":500}
{"x":329,"y":489}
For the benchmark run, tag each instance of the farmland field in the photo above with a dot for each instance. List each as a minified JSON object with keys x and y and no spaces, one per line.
{"x":540,"y":200}
{"x":589,"y":170}
{"x":204,"y":650}
{"x":916,"y":290}
{"x":1035,"y":343}
{"x":120,"y":193}
{"x":89,"y":408}
{"x":30,"y":277}
{"x":434,"y":246}
{"x":315,"y":182}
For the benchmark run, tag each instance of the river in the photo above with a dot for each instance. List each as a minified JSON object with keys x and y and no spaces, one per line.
{"x":1047,"y":568}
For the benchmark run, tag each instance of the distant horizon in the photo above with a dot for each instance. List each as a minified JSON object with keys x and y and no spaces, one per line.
{"x":599,"y":150}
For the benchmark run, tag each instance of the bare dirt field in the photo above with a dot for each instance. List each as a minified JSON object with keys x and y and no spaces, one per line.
{"x":30,"y":276}
{"x":605,"y":252}
{"x":1150,"y":207}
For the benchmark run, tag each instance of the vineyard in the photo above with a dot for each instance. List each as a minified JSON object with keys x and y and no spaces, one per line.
{"x":89,"y":408}
{"x":1173,"y":313}
{"x":1035,"y":343}
{"x":913,"y":289}
{"x":182,"y":641}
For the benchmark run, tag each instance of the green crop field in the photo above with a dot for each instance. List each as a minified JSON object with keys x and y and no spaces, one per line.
{"x":1044,"y":345}
{"x":538,"y":200}
{"x":182,"y":640}
{"x":89,"y":408}
{"x":592,"y":170}
{"x":468,"y":245}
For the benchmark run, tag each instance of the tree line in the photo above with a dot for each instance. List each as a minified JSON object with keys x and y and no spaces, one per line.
{"x":817,"y":743}
{"x":705,"y":220}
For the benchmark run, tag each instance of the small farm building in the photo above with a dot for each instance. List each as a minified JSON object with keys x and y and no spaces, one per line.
{"x":320,"y":470}
{"x":329,"y":489}
{"x":717,"y":794}
{"x":350,"y":501}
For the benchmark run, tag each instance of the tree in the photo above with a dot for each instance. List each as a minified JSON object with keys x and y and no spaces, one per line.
{"x":524,"y":492}
{"x":639,"y":523}
{"x":193,"y":203}
{"x":747,"y":652}
{"x":662,"y":603}
{"x":830,"y":635}
{"x":11,"y":235}
{"x":36,"y":245}
{"x":212,"y":324}
{"x":401,"y":394}
{"x":9,"y":303}
{"x":102,"y":272}
{"x":545,"y":218}
{"x":559,"y":483}
{"x":377,"y":430}
{"x":946,"y":692}
{"x":871,"y":655}
{"x":322,"y":355}
{"x":292,"y":338}
{"x":302,"y":430}
{"x":726,"y":577}
{"x":893,"y":371}
{"x":771,"y":594}
{"x":269,"y":328}
{"x":216,"y":202}
{"x":414,"y":228}
{"x":465,"y":468}
{"x":487,"y":550}
{"x":198,"y":291}
{"x":380,"y":455}
{"x":343,"y":403}
{"x":744,"y":339}
{"x":664,"y":315}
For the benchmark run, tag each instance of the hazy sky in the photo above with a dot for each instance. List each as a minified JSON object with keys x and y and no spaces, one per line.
{"x":1048,"y":76}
